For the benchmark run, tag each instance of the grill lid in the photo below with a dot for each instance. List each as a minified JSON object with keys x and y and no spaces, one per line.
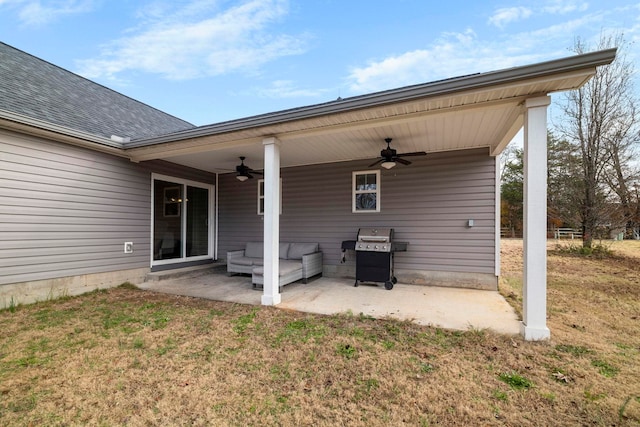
{"x":375,"y":234}
{"x":374,"y":239}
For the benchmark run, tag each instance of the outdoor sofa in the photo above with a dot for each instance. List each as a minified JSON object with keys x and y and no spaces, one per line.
{"x":297,"y":261}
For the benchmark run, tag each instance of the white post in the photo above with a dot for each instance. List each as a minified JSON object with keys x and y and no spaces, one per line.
{"x":271,"y":295}
{"x":497,"y":212}
{"x":534,"y":292}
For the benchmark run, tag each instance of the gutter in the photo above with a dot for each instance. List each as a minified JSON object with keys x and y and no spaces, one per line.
{"x":441,"y":87}
{"x":41,"y":128}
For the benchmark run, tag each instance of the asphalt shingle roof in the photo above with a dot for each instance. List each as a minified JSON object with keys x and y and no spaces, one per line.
{"x":35,"y":88}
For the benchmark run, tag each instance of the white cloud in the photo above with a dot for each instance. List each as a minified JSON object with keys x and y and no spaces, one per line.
{"x":454,"y":54}
{"x":565,"y":6}
{"x":40,"y":12}
{"x":458,"y":54}
{"x":287,"y":89}
{"x":503,"y":16}
{"x":199,"y":40}
{"x":510,"y":14}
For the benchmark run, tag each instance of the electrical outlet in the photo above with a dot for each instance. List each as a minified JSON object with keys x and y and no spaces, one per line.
{"x":128,"y":247}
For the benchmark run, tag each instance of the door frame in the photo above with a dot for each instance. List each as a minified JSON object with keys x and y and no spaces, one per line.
{"x":183,"y":219}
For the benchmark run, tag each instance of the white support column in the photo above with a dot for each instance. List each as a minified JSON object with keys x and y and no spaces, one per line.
{"x":534,"y":292}
{"x":497,"y":212}
{"x":271,"y":295}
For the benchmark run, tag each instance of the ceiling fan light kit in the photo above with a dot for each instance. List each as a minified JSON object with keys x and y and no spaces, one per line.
{"x":244,"y":172}
{"x":389,"y":156}
{"x":388,"y":165}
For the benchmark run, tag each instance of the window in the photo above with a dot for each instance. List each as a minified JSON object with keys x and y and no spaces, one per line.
{"x":366,"y":191}
{"x":261,"y":196}
{"x":172,"y":201}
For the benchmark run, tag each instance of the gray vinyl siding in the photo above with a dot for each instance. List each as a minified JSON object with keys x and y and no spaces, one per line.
{"x":67,"y":211}
{"x":427,"y":203}
{"x":179,"y":171}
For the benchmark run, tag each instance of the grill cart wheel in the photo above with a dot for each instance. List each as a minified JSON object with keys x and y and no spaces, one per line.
{"x":394,"y":280}
{"x":388,"y":285}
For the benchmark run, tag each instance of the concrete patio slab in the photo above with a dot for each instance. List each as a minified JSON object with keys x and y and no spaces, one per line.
{"x":449,"y":308}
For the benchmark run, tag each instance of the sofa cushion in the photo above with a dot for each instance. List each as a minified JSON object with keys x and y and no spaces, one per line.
{"x":243,"y":260}
{"x":296,"y":250}
{"x":254,"y":250}
{"x":286,"y":267}
{"x":284,"y":250}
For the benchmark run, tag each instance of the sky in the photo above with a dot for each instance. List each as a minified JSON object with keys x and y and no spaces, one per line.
{"x":208,"y":61}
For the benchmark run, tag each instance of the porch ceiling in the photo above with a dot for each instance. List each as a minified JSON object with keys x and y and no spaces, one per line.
{"x":477,"y":111}
{"x":358,"y":135}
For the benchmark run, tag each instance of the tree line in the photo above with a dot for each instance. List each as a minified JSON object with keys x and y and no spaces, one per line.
{"x":593,"y":170}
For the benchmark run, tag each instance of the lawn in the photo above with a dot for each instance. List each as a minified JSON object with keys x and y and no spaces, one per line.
{"x":130,"y":357}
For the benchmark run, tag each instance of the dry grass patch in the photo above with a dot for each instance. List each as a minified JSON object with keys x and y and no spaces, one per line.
{"x":131,"y":357}
{"x":594,"y":317}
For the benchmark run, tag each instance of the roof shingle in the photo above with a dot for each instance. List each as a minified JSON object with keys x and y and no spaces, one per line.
{"x":35,"y":88}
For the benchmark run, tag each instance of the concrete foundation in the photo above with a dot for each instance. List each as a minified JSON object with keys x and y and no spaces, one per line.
{"x":43,"y":290}
{"x":482,"y":281}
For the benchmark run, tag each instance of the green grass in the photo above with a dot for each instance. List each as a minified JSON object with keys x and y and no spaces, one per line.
{"x":574,"y":350}
{"x":241,"y":324}
{"x":515,"y":381}
{"x":348,"y":351}
{"x":605,"y":368}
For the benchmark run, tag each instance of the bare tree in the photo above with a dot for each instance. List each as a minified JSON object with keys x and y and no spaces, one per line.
{"x":602,"y":123}
{"x":565,"y":183}
{"x":622,"y":176}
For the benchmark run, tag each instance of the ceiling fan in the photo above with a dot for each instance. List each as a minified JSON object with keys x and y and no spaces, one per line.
{"x":390,"y":156}
{"x":244,"y":171}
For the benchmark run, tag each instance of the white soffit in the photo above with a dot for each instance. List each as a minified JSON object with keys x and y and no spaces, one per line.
{"x":441,"y":119}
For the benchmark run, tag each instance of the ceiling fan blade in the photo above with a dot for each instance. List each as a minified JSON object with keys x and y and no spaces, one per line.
{"x":415,"y":153}
{"x":256,"y":172}
{"x":403,"y":161}
{"x":376,"y":162}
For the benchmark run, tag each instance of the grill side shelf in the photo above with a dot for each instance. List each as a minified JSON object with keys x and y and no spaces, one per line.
{"x":399,"y":246}
{"x":349,"y":245}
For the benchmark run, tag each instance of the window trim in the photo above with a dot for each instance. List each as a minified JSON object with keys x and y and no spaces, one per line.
{"x":261,"y":196}
{"x":355,"y":192}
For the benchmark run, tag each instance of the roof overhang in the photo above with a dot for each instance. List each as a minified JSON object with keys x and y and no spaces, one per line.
{"x":42,"y":129}
{"x":476,"y":111}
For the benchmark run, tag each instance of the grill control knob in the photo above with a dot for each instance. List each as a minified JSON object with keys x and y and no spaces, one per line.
{"x":384,"y":247}
{"x":368,"y":246}
{"x":375,"y":247}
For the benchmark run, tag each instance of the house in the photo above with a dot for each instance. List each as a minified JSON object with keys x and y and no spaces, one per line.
{"x":97,"y":188}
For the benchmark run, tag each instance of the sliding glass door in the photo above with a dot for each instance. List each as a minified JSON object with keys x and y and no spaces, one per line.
{"x":182,"y":220}
{"x":197,"y":237}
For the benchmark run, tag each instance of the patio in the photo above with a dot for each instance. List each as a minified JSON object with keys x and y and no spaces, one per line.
{"x":449,"y":308}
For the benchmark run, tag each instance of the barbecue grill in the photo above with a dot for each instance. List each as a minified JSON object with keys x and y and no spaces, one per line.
{"x":375,"y":250}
